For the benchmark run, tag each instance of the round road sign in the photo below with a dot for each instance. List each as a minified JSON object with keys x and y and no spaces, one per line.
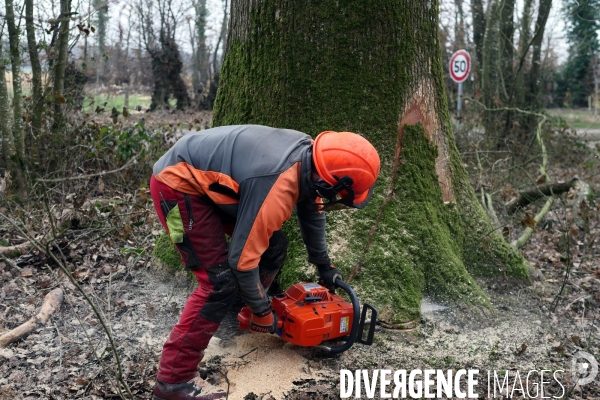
{"x":460,"y":66}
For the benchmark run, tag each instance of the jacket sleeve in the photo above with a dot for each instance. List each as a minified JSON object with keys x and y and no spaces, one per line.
{"x":312,"y":228}
{"x":266,"y":202}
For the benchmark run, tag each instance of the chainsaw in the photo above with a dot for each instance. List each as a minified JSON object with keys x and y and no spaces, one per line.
{"x":308,"y":314}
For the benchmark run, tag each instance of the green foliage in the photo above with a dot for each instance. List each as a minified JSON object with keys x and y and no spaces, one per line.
{"x":118,"y":101}
{"x":575,"y":82}
{"x":126,"y":142}
{"x":166,"y":252}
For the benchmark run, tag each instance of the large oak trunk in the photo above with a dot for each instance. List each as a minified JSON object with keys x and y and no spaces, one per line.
{"x":373,"y":68}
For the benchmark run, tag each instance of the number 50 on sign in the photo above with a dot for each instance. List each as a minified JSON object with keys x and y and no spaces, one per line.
{"x":460,"y":66}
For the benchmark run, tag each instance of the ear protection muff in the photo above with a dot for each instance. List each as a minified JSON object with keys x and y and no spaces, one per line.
{"x":326,"y":191}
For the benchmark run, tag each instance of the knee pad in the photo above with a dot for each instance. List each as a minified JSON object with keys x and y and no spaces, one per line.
{"x":222,"y":297}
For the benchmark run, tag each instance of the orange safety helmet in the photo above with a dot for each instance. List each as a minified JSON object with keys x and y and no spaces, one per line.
{"x":348,"y":164}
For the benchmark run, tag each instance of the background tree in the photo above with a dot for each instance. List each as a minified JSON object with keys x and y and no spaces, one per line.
{"x":15,"y":61}
{"x":160,"y":42}
{"x":102,"y":18}
{"x":9,"y":153}
{"x":316,"y":66}
{"x":37,"y":101}
{"x":576,"y":81}
{"x":60,"y":62}
{"x":200,"y":51}
{"x":508,"y":70}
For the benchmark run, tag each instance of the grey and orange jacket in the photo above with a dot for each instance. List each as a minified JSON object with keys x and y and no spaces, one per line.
{"x":257,"y":174}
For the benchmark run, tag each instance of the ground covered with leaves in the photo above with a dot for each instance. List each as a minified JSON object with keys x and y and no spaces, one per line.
{"x":106,"y":231}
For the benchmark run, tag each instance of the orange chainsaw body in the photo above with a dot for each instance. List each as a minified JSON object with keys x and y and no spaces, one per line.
{"x":308,"y":315}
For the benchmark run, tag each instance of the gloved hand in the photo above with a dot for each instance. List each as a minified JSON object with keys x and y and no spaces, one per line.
{"x":264,"y":322}
{"x":328,"y":275}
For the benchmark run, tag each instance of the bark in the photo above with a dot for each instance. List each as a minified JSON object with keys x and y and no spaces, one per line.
{"x":61,"y":61}
{"x":315,"y":66}
{"x":15,"y":60}
{"x":52,"y":302}
{"x":37,"y":100}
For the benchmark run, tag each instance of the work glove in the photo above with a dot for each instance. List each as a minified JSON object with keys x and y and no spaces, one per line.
{"x":264,"y":322}
{"x":328,"y":275}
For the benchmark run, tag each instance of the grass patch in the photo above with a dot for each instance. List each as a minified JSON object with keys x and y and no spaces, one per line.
{"x":118,"y":101}
{"x":581,"y":118}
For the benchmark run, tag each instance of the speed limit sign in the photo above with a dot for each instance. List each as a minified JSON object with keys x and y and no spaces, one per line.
{"x":460,"y":66}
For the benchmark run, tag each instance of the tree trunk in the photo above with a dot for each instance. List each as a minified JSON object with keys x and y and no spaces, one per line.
{"x":8,"y":141}
{"x":460,"y":41}
{"x":520,"y":88}
{"x":167,"y":67}
{"x":61,"y":62}
{"x":489,"y":71}
{"x":196,"y":87}
{"x":222,"y":39}
{"x":101,"y":7}
{"x":538,"y":39}
{"x":478,"y":17}
{"x":505,"y":62}
{"x":507,"y":33}
{"x":37,"y":100}
{"x":315,"y":66}
{"x":202,"y":55}
{"x":15,"y":60}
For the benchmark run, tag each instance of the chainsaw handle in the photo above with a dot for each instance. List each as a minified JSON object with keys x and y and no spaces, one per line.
{"x":355,"y":322}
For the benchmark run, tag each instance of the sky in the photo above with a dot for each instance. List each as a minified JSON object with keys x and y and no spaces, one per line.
{"x":120,"y":16}
{"x":555,"y":27}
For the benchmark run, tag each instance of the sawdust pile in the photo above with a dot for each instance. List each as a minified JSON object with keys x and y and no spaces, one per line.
{"x":260,"y":364}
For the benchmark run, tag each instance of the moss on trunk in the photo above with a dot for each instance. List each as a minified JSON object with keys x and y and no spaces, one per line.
{"x":370,"y":67}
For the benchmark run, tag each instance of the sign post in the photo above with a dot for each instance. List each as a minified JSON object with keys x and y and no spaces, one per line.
{"x":460,"y":68}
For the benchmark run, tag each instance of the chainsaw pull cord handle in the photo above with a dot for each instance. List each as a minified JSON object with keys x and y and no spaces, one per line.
{"x":355,"y":322}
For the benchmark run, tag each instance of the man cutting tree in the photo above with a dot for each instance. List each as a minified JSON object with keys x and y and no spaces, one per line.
{"x":244,"y":181}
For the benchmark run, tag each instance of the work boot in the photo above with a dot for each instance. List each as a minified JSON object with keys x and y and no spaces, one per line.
{"x":195,"y":389}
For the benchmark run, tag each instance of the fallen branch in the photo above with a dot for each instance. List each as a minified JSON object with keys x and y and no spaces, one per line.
{"x":71,"y":178}
{"x":488,"y":206}
{"x":520,"y":242}
{"x":15,"y":250}
{"x":52,"y":302}
{"x":529,"y":196}
{"x":10,"y":262}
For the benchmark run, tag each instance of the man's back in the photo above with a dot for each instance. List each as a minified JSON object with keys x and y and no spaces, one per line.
{"x":239,"y":152}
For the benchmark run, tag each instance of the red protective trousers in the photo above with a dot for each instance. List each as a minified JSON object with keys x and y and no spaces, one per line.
{"x":203,"y":250}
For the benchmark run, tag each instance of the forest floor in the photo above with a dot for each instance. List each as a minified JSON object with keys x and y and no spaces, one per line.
{"x":539,"y":325}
